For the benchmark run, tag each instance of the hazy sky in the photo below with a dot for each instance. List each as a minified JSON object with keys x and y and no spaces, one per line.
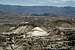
{"x":39,"y":2}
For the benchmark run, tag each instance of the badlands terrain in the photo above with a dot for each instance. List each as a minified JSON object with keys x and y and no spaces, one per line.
{"x":37,"y":33}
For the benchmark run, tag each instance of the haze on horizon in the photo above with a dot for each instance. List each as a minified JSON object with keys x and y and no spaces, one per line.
{"x":59,"y":3}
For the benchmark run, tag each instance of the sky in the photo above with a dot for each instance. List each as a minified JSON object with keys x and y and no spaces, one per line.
{"x":59,"y":3}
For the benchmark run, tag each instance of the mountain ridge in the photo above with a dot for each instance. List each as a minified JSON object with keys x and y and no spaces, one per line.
{"x":36,"y":10}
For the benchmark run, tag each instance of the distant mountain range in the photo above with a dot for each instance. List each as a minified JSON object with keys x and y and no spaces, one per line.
{"x":13,"y":10}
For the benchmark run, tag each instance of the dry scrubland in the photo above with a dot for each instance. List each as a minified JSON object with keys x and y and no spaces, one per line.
{"x":7,"y":22}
